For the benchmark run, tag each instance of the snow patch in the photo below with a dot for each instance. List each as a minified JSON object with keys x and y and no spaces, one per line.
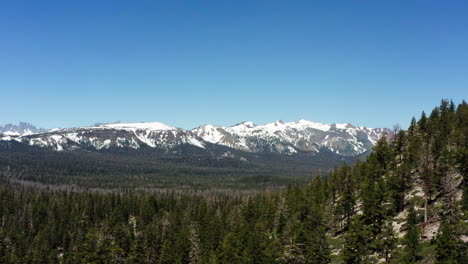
{"x":136,"y":126}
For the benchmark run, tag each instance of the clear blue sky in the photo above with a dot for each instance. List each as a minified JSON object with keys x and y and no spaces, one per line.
{"x":188,"y":63}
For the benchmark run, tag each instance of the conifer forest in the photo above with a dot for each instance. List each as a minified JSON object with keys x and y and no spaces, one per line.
{"x":405,"y":202}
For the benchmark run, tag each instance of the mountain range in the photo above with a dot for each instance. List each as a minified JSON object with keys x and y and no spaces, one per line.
{"x":286,"y":138}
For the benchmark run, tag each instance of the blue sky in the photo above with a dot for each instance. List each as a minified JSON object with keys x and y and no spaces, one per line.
{"x":188,"y":63}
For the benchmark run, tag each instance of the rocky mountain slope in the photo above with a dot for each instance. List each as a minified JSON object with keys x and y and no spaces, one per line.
{"x":292,"y":137}
{"x":276,"y":137}
{"x":121,"y":135}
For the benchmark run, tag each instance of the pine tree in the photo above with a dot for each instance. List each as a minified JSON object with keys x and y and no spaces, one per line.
{"x":315,"y":246}
{"x":373,"y":195}
{"x":386,"y":241}
{"x":232,"y":250}
{"x":356,"y":250}
{"x":411,"y":238}
{"x":137,"y":252}
{"x":426,"y":129}
{"x":168,"y":253}
{"x":195,"y":254}
{"x":313,"y":234}
{"x":447,"y":245}
{"x":346,"y":201}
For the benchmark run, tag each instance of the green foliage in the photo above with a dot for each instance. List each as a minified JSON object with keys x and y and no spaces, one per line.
{"x":344,"y":217}
{"x":356,"y":248}
{"x":449,"y":249}
{"x":411,"y":238}
{"x":386,"y":242}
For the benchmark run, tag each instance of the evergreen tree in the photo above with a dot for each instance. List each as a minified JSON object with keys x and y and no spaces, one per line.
{"x":195,"y":254}
{"x":386,"y":242}
{"x":346,"y":199}
{"x":411,"y":238}
{"x":356,"y":250}
{"x":232,"y":250}
{"x":447,"y":245}
{"x":315,"y":246}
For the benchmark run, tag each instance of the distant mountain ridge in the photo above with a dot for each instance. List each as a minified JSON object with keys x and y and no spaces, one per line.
{"x":293,"y":137}
{"x":23,"y":128}
{"x":301,"y":136}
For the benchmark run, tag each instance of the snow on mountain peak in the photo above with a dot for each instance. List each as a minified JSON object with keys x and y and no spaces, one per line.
{"x":343,"y":125}
{"x":11,"y":133}
{"x":278,"y":136}
{"x":300,"y":135}
{"x":303,"y":124}
{"x":139,"y":126}
{"x":272,"y":127}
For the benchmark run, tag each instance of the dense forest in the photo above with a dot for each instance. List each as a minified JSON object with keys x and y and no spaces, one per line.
{"x":406,"y":202}
{"x":153,"y":169}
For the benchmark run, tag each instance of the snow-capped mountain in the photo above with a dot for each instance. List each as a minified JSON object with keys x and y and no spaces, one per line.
{"x":292,"y":137}
{"x":22,"y":128}
{"x":119,"y":135}
{"x":276,"y":137}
